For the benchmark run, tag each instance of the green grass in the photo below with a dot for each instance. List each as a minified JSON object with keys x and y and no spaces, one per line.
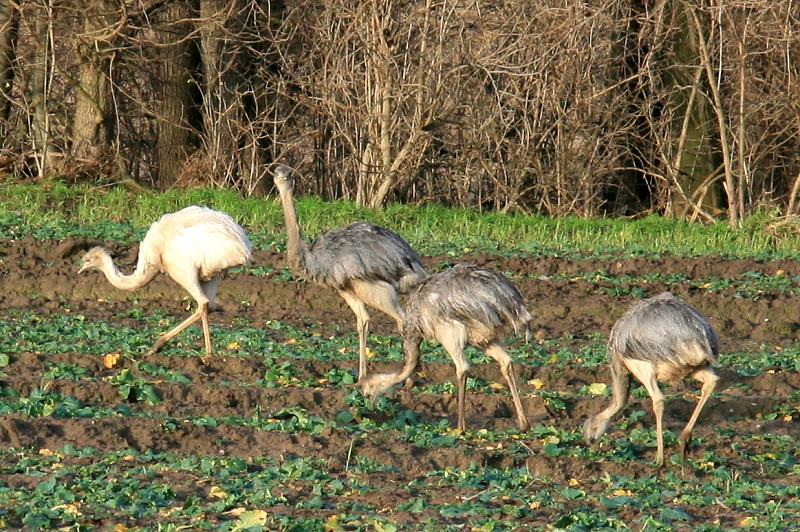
{"x":52,"y":210}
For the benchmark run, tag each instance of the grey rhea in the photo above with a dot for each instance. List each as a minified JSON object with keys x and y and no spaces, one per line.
{"x":462,"y":305}
{"x":368,"y":265}
{"x":193,"y":246}
{"x":658,"y":339}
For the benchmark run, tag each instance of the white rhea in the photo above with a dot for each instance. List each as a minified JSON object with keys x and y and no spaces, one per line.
{"x":193,"y":246}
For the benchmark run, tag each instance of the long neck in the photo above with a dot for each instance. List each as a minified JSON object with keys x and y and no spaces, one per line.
{"x":143,"y":274}
{"x":411,"y":348}
{"x":377,"y":383}
{"x":296,"y":248}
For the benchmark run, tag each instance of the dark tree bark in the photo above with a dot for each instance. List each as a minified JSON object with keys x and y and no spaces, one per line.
{"x":219,"y":70}
{"x":9,"y":26}
{"x":231,"y":49}
{"x":92,"y":120}
{"x":39,"y":81}
{"x":174,"y":67}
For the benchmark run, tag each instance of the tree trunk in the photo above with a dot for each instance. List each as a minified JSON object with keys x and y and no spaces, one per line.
{"x":174,"y":67}
{"x":695,"y":159}
{"x":219,"y":104}
{"x":388,"y":87}
{"x":91,"y":125}
{"x":734,"y":218}
{"x":39,"y":79}
{"x":9,"y":25}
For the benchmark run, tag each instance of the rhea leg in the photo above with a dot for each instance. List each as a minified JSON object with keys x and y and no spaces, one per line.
{"x":497,"y":352}
{"x":188,"y":279}
{"x":462,"y":367}
{"x":362,"y":326}
{"x":595,"y":426}
{"x":210,"y":290}
{"x":453,"y":338}
{"x":382,"y":296}
{"x":200,"y":313}
{"x":645,"y":372}
{"x":709,"y":380}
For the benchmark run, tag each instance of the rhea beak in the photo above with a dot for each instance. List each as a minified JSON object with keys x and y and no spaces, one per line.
{"x":83,"y":268}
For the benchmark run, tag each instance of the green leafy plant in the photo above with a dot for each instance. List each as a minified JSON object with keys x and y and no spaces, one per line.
{"x":133,"y":388}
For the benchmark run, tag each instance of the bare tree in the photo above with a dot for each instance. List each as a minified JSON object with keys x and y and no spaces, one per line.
{"x":719,"y":79}
{"x":218,"y":52}
{"x":172,"y":28}
{"x":91,"y":125}
{"x":39,"y":85}
{"x":557,"y":107}
{"x":9,"y":26}
{"x":375,"y":72}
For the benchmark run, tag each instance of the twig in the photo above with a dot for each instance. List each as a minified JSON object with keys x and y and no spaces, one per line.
{"x":349,"y":454}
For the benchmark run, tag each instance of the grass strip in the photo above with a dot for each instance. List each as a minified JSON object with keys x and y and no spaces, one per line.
{"x":55,"y":210}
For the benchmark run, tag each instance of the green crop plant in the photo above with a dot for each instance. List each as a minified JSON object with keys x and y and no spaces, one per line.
{"x":134,"y":388}
{"x":273,"y":432}
{"x":65,"y":371}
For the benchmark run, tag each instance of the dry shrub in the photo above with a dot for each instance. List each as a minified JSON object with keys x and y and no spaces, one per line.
{"x":195,"y":172}
{"x":557,"y":106}
{"x":783,"y":228}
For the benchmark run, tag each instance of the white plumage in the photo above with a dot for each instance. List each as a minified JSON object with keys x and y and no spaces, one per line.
{"x":193,"y":246}
{"x":208,"y":240}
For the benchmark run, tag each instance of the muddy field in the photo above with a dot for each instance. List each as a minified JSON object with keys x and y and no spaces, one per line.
{"x":738,"y":425}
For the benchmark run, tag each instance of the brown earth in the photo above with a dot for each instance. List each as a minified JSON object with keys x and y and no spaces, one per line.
{"x":41,"y":277}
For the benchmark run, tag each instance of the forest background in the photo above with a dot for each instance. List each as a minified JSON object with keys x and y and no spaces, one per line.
{"x":557,"y":107}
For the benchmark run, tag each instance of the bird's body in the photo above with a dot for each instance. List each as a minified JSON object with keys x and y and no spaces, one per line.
{"x":463,"y":305}
{"x":368,"y":265}
{"x":193,"y":246}
{"x":362,"y":251}
{"x":484,"y":302}
{"x":206,"y":240}
{"x":658,"y":339}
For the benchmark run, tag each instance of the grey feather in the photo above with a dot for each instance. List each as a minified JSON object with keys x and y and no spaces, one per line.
{"x":468,"y":294}
{"x":365,"y":252}
{"x":658,"y":339}
{"x":368,"y":265}
{"x":463,"y":305}
{"x":662,"y":329}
